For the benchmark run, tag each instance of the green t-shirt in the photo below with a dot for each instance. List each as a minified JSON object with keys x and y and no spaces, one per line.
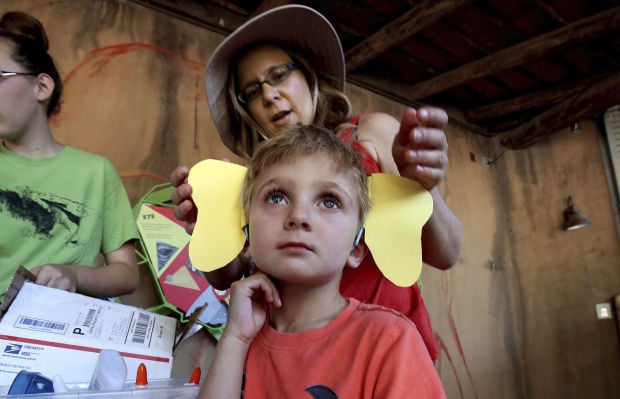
{"x":66,"y":209}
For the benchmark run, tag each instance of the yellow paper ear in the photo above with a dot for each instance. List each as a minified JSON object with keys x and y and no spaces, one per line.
{"x":400,"y":208}
{"x":218,"y":237}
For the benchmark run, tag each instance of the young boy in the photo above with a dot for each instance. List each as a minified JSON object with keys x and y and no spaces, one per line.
{"x":290,"y":334}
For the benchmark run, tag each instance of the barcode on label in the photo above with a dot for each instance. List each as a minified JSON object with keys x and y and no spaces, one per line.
{"x":41,"y":325}
{"x":142,"y":328}
{"x":89,"y":317}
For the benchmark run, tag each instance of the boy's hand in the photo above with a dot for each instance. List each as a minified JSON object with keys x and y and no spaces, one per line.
{"x":420,"y":148}
{"x":249,"y":301}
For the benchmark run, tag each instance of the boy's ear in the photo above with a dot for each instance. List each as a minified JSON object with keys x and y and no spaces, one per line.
{"x":45,"y":87}
{"x":246,"y":232}
{"x":357,"y":254}
{"x":246,"y":249}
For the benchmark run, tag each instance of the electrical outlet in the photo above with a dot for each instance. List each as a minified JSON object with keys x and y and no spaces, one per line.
{"x":603,"y":311}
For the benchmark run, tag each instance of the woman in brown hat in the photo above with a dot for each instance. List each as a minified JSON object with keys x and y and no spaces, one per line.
{"x":286,"y":66}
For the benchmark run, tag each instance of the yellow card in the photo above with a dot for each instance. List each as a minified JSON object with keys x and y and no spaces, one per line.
{"x":218,"y":236}
{"x":400,"y":208}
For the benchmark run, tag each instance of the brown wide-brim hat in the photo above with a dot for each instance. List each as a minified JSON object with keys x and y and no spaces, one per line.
{"x":295,"y":27}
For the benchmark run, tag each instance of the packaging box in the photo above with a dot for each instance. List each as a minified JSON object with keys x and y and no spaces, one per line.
{"x":56,"y":332}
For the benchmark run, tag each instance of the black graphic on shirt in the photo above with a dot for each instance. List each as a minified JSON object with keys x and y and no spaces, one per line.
{"x":321,"y":392}
{"x":317,"y":391}
{"x":43,"y":214}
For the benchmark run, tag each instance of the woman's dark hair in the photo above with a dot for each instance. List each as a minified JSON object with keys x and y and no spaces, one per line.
{"x":30,"y":47}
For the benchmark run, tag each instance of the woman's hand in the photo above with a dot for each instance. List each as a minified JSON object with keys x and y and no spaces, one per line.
{"x":420,"y":148}
{"x":185,"y":209}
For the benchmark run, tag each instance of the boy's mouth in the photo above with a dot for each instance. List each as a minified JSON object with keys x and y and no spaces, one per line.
{"x":295,"y":246}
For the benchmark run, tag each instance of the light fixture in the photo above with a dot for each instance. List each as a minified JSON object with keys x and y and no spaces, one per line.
{"x":573,"y":219}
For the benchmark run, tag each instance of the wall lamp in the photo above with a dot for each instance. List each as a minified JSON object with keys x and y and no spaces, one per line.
{"x":573,"y":219}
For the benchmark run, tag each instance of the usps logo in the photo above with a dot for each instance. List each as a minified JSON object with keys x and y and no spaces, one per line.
{"x":12,"y":349}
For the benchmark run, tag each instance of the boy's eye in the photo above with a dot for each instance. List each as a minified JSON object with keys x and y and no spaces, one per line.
{"x":275,"y":198}
{"x":330,"y":203}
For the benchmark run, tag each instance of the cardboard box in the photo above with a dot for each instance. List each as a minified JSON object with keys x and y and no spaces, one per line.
{"x":56,"y":332}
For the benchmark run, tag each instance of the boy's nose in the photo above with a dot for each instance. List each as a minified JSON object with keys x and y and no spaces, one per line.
{"x":297,"y":224}
{"x":298,"y":218}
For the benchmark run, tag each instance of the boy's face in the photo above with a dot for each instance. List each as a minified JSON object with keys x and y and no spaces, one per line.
{"x":303,"y":220}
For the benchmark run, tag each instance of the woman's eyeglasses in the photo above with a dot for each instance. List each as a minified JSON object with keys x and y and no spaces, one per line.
{"x":277,"y":76}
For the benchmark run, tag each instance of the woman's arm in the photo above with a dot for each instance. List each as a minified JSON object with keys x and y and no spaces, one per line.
{"x":223,"y":277}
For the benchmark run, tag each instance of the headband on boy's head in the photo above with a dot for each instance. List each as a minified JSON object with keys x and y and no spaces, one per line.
{"x":400,"y":208}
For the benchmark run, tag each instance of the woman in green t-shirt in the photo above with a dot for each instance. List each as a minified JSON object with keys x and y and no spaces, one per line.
{"x":60,"y":207}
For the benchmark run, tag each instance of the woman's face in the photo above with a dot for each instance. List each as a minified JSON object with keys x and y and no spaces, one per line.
{"x":278,"y":106}
{"x":18,"y":96}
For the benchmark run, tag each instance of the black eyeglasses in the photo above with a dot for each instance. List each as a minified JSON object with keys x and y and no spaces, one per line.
{"x":275,"y":77}
{"x":6,"y":74}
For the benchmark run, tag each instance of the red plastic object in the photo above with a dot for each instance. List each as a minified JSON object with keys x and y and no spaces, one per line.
{"x":195,"y":378}
{"x":141,"y":378}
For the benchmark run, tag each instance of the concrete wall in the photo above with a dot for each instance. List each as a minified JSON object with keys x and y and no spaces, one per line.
{"x":516,"y":315}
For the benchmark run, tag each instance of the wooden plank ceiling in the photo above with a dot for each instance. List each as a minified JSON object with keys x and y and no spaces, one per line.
{"x":518,"y":69}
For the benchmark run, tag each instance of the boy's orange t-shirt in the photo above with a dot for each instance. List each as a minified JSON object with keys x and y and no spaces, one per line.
{"x":367,"y":351}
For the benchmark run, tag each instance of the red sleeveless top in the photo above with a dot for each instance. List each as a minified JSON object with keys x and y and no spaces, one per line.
{"x":367,"y":284}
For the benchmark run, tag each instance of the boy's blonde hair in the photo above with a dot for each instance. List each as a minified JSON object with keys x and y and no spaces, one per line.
{"x":297,"y":141}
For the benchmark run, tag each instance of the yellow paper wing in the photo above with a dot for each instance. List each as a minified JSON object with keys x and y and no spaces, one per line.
{"x":218,"y":236}
{"x":400,"y":208}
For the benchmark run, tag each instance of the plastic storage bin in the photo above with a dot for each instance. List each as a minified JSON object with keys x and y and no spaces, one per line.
{"x":156,"y":389}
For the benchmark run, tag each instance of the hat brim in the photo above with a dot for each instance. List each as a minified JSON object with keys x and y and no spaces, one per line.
{"x":295,"y":27}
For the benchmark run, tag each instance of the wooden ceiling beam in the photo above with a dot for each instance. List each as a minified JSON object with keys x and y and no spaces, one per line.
{"x":594,"y":99}
{"x":268,"y":5}
{"x":221,"y":17}
{"x":549,"y":10}
{"x":413,"y":21}
{"x":391,"y":89}
{"x":530,"y":50}
{"x":529,"y":101}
